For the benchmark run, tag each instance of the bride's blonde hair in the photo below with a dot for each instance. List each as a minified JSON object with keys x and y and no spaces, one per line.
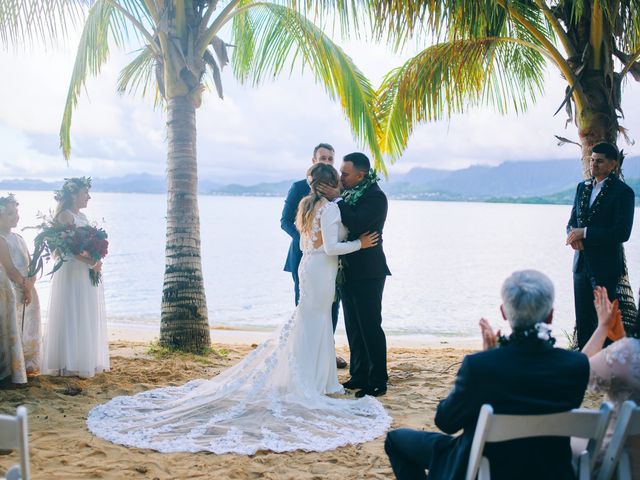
{"x":317,"y":174}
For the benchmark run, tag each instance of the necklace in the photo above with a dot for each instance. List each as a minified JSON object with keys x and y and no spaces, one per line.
{"x":352,"y":195}
{"x":538,"y":334}
{"x":586,"y":213}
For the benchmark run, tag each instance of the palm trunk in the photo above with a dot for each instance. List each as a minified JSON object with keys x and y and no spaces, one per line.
{"x":184,"y":322}
{"x":600,"y":124}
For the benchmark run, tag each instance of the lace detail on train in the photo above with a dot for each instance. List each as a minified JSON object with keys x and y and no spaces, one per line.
{"x":274,"y":399}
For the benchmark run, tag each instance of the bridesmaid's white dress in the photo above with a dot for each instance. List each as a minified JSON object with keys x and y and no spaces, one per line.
{"x":276,"y":398}
{"x":76,"y":341}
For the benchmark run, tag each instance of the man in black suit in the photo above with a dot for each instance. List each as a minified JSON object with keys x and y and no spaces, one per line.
{"x":363,"y":208}
{"x":322,"y":153}
{"x":601,"y":221}
{"x":527,"y":376}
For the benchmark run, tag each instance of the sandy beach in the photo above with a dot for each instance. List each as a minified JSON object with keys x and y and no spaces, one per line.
{"x":61,"y":446}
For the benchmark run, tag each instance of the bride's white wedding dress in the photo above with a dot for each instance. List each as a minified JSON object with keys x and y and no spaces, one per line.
{"x":275,"y":398}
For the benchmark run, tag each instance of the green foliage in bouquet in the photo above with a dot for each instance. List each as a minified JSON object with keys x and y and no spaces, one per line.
{"x":60,"y":242}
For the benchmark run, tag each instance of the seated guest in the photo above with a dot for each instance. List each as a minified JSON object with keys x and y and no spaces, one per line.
{"x":616,"y":369}
{"x":526,"y":375}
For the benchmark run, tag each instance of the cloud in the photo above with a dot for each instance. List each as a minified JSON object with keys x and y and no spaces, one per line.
{"x":266,"y":132}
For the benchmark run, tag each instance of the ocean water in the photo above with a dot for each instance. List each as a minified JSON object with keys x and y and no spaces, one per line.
{"x":448,"y":260}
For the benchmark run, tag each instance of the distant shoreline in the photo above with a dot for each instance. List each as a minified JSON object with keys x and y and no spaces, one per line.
{"x":539,"y":182}
{"x":428,"y":197}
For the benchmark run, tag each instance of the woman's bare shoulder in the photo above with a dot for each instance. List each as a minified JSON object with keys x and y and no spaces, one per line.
{"x":65,"y":217}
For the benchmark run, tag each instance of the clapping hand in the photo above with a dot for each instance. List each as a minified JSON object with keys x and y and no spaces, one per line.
{"x":489,"y":337}
{"x":609,"y":315}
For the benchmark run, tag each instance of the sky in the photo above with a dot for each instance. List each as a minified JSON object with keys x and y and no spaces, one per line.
{"x":264,"y":133}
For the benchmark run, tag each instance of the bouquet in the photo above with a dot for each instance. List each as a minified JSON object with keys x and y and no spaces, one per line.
{"x":64,"y":241}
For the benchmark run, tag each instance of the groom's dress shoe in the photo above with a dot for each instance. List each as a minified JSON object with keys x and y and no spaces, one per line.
{"x":341,"y":362}
{"x":353,"y":385}
{"x":373,"y":391}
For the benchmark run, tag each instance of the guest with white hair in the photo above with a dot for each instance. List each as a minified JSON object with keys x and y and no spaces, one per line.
{"x":521,"y":374}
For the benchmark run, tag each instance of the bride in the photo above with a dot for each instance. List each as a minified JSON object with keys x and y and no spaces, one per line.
{"x":277,"y":397}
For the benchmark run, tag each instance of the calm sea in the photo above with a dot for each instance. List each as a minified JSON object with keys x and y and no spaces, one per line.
{"x":448,"y":260}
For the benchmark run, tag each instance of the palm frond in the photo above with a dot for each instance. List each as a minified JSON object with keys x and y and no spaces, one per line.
{"x":47,"y":21}
{"x":139,"y":75}
{"x":215,"y":72}
{"x":625,"y":23}
{"x":28,"y":21}
{"x":350,"y":17}
{"x":92,"y":53}
{"x":451,"y":77}
{"x":277,"y":37}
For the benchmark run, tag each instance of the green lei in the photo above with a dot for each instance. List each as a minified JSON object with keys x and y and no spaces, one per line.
{"x":586,"y":212}
{"x":352,"y":195}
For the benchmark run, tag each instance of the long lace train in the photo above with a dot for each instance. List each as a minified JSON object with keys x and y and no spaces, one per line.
{"x":275,"y":399}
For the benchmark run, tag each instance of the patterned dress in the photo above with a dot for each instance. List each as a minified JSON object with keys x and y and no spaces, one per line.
{"x":19,"y":325}
{"x":616,"y":372}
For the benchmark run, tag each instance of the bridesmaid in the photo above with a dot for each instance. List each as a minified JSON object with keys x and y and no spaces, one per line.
{"x":19,"y":304}
{"x":76,"y":341}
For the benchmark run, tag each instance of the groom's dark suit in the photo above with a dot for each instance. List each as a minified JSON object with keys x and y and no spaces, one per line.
{"x":365,"y":272}
{"x":602,"y":260}
{"x":516,"y":379}
{"x":297,"y":192}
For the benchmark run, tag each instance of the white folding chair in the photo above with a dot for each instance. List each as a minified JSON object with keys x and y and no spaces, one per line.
{"x":582,"y":423}
{"x":14,"y":436}
{"x":627,"y":425}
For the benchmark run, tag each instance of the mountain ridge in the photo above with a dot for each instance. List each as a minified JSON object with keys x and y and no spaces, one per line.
{"x":529,"y":181}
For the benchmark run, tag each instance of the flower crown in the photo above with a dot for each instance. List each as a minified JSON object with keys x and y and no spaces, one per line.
{"x":6,"y":201}
{"x":72,"y":186}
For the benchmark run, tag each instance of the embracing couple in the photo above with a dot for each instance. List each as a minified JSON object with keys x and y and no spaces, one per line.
{"x":285,"y":394}
{"x":362,"y":209}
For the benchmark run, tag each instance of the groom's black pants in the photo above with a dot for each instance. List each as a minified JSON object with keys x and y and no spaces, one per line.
{"x":586,"y":317}
{"x":362,"y":305}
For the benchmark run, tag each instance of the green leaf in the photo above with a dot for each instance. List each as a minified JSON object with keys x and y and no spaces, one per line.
{"x":451,"y":77}
{"x":47,"y":21}
{"x":104,"y":23}
{"x":139,"y":75}
{"x":270,"y":38}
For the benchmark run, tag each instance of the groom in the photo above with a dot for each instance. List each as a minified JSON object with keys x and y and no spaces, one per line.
{"x":363,"y":208}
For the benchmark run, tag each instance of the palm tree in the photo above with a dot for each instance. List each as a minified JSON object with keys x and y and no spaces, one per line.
{"x":495,"y":53}
{"x":179,"y":43}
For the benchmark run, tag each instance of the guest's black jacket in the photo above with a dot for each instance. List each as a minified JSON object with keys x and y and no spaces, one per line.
{"x":367,"y":215}
{"x":608,"y":228}
{"x":515,"y":379}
